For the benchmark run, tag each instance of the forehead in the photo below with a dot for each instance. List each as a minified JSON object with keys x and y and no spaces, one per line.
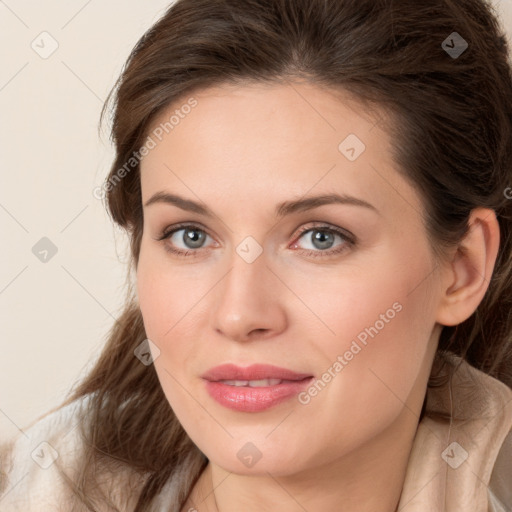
{"x":257,"y":139}
{"x":277,"y":106}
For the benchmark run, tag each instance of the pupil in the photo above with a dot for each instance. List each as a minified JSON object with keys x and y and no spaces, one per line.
{"x":323,"y":238}
{"x":190,"y":236}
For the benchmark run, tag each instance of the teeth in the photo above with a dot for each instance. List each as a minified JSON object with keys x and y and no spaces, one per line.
{"x":253,"y":383}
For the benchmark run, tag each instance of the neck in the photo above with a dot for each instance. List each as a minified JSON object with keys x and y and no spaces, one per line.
{"x":367,"y":479}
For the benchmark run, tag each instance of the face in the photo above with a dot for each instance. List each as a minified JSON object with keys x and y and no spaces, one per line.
{"x":246,"y":269}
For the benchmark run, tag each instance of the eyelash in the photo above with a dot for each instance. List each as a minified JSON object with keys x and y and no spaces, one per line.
{"x":348,"y":239}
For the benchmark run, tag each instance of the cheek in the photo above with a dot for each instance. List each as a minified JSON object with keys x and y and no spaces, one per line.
{"x":174,"y":304}
{"x":382,"y":321}
{"x":153,"y":297}
{"x":385,"y":292}
{"x":166,"y":292}
{"x":164,"y":301}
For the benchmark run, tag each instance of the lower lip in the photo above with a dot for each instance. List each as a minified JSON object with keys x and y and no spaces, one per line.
{"x":247,"y":399}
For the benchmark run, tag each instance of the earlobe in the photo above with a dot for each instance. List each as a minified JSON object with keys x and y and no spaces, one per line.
{"x":466,"y":277}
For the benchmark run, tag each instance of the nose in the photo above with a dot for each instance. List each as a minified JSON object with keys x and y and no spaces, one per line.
{"x":249,"y":302}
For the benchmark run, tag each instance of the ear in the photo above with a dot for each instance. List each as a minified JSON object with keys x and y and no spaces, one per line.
{"x":466,"y":276}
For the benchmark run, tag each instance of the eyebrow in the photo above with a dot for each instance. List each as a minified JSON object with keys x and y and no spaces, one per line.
{"x":282,"y":209}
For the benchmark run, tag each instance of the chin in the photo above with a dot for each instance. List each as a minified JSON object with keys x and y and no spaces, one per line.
{"x":246,"y":457}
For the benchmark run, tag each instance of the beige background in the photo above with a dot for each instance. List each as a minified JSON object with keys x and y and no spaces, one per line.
{"x":54,"y":315}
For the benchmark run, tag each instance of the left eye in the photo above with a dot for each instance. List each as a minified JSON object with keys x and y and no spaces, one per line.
{"x":321,"y":238}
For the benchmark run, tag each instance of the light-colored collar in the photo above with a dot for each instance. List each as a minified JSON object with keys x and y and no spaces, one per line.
{"x":451,"y":461}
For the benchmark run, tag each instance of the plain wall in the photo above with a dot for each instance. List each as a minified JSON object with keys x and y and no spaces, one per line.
{"x":56,"y":313}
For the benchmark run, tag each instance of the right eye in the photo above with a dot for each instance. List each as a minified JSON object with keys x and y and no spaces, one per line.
{"x":190,"y":236}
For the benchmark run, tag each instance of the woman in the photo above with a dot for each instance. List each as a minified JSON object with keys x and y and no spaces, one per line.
{"x":318,"y":199}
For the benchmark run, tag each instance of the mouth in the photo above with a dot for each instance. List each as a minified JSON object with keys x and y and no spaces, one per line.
{"x":262,"y":383}
{"x":253,"y":373}
{"x":254,"y":388}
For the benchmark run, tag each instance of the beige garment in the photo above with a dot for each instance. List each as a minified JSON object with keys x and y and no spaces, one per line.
{"x":464,"y":464}
{"x":460,"y":465}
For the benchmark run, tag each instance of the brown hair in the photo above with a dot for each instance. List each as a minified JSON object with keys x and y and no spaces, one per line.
{"x":451,"y":135}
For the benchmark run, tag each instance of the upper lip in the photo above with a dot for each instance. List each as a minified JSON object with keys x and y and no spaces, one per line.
{"x":253,"y":372}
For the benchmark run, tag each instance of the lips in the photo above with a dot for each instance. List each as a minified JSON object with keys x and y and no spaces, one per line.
{"x":255,"y":372}
{"x":254,"y":388}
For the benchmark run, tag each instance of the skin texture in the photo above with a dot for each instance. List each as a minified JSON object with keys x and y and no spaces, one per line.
{"x":241,"y":151}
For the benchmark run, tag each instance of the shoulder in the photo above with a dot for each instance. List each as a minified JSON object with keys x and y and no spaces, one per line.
{"x":500,"y":485}
{"x":30,"y":462}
